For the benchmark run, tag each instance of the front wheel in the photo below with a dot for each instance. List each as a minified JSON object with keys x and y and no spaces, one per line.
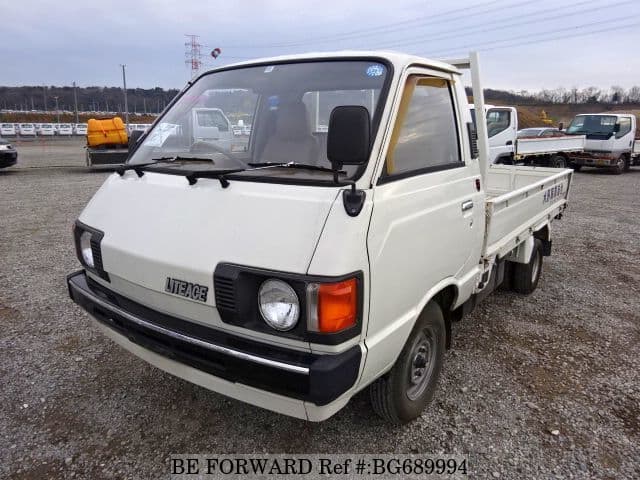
{"x":621,"y":165}
{"x":402,"y":394}
{"x":576,"y":167}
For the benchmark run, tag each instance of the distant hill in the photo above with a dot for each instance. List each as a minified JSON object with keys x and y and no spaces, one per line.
{"x":107,"y":99}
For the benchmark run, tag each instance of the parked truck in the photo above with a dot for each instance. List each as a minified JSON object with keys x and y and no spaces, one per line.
{"x":505,"y":147}
{"x":314,"y":264}
{"x":609,"y":141}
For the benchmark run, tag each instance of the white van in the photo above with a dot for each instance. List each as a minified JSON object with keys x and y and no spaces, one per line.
{"x":65,"y":129}
{"x":80,"y":129}
{"x":46,"y":130}
{"x":311,"y":265}
{"x":27,"y":130}
{"x":7,"y":130}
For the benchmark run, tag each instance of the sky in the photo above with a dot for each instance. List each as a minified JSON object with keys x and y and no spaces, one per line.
{"x":524,"y":44}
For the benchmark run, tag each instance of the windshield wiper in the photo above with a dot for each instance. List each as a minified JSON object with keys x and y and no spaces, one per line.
{"x":192,"y":176}
{"x":300,"y":166}
{"x":139,"y":168}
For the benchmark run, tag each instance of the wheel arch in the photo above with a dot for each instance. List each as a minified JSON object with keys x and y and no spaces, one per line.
{"x":446,"y":299}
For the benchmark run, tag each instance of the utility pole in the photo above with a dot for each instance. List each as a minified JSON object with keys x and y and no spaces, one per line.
{"x":144,"y":104}
{"x":44,"y":97}
{"x":32,"y":105}
{"x":124,"y":84}
{"x":57,"y":111}
{"x":75,"y":100}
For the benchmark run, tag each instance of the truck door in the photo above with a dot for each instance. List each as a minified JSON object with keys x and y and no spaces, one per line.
{"x":428,"y":216}
{"x":501,"y":130}
{"x":624,"y":136}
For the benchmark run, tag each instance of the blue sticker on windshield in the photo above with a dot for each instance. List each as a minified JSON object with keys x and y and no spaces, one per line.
{"x":375,"y":70}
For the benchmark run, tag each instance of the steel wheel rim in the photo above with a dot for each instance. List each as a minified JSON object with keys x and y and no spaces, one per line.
{"x":423,"y":359}
{"x":535,"y":269}
{"x":621,"y":163}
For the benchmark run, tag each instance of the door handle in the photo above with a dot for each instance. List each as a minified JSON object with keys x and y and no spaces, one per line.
{"x":467,"y":205}
{"x":509,"y":143}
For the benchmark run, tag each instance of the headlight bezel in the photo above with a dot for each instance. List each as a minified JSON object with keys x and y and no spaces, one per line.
{"x":95,"y":241}
{"x":236,"y":296}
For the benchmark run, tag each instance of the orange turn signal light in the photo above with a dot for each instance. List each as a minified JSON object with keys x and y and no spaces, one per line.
{"x":333,"y":307}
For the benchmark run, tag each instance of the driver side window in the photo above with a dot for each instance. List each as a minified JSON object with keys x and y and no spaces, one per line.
{"x":497,"y":121}
{"x":625,"y":127}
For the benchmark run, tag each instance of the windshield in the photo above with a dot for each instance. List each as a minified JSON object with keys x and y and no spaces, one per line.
{"x":263,"y":114}
{"x":592,"y":125}
{"x":529,"y":132}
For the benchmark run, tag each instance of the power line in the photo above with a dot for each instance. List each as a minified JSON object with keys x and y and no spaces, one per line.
{"x":530,"y":40}
{"x":501,"y":24}
{"x":394,"y":26}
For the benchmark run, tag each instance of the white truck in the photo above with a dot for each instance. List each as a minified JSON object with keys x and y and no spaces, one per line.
{"x":610,"y":141}
{"x":312,"y":265}
{"x":506,"y":148}
{"x":212,"y":125}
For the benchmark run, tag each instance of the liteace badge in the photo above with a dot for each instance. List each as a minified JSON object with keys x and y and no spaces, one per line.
{"x":186,"y":289}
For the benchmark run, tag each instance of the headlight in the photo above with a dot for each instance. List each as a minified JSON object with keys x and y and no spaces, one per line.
{"x":279,"y":304}
{"x":85,"y":248}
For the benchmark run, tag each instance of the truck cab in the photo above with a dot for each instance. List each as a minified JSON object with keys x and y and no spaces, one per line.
{"x":502,"y":130}
{"x":609,"y":140}
{"x":212,"y":125}
{"x":328,"y":255}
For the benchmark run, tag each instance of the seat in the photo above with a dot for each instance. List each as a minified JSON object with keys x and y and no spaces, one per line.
{"x":292,"y":139}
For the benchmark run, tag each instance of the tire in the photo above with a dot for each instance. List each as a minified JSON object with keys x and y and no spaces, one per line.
{"x":558,"y":161}
{"x":621,"y":166}
{"x":576,"y":167}
{"x":627,"y":164}
{"x":401,"y":395}
{"x":526,"y":275}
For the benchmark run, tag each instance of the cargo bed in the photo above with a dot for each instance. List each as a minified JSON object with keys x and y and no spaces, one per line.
{"x":549,"y":146}
{"x":107,"y":156}
{"x":520,"y":200}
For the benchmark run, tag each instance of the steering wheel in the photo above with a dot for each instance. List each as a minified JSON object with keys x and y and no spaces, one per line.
{"x":205,"y":147}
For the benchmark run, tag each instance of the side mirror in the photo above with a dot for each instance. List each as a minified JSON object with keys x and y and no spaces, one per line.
{"x":349,"y":136}
{"x":561,"y":126}
{"x":616,"y":128}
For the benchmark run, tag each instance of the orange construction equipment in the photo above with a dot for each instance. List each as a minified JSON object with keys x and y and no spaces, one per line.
{"x":107,"y":132}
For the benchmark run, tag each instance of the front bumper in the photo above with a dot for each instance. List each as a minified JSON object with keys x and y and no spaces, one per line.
{"x":8,"y":158}
{"x":267,"y":376}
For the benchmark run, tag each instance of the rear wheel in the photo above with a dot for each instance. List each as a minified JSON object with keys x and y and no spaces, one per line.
{"x":558,"y":161}
{"x":401,"y":395}
{"x":526,"y":275}
{"x":576,"y":167}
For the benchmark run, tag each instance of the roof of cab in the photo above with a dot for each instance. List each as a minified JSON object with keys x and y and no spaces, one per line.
{"x":397,"y":59}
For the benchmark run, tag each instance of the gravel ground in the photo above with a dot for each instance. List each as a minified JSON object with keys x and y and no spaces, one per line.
{"x":545,"y":386}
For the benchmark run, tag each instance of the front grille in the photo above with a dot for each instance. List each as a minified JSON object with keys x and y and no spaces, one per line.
{"x":97,"y":254}
{"x":225,"y":293}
